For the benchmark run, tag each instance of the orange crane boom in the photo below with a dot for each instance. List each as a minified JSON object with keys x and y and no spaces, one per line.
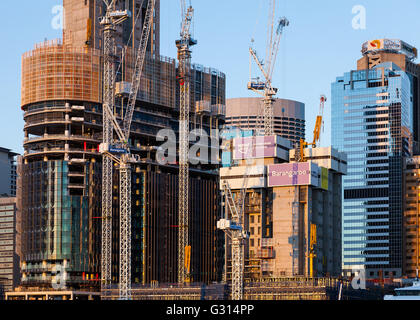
{"x":317,"y":130}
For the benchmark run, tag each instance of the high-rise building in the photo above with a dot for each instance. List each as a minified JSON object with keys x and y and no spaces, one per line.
{"x":61,"y":165}
{"x":403,"y":55}
{"x":373,"y":121}
{"x":411,"y":225}
{"x":283,"y":200}
{"x":9,"y":260}
{"x":8,"y":172}
{"x":289,"y":116}
{"x":82,"y":24}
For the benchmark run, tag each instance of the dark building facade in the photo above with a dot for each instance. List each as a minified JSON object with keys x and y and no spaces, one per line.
{"x":8,"y":172}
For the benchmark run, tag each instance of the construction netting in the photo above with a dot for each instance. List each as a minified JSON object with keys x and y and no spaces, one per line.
{"x":52,"y":71}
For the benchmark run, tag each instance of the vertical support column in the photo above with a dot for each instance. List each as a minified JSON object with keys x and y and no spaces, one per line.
{"x":268,"y":117}
{"x":184,"y":120}
{"x":237,"y":267}
{"x":125,"y":230}
{"x":108,"y":102}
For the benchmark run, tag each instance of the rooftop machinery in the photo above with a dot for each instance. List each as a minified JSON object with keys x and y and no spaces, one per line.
{"x":184,"y":79}
{"x":118,"y":150}
{"x":265,"y":87}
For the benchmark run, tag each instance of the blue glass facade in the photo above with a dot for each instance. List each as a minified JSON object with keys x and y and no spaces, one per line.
{"x":59,"y":229}
{"x":372,"y":122}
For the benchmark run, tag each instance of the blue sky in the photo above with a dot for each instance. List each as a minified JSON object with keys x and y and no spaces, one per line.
{"x":319,"y":45}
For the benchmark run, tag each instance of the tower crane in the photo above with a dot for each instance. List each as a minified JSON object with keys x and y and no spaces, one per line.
{"x":118,"y":151}
{"x":265,"y":87}
{"x":317,"y":132}
{"x":184,"y":78}
{"x":109,"y":22}
{"x":234,"y":229}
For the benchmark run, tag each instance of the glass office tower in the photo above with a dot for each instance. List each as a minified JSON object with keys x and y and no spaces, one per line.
{"x":372,"y":123}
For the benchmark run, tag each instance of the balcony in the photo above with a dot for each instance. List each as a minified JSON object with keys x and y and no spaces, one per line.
{"x":218,"y":109}
{"x":203,"y":107}
{"x":62,"y":137}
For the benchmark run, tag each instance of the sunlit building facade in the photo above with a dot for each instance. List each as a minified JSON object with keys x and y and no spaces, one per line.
{"x":372,"y":121}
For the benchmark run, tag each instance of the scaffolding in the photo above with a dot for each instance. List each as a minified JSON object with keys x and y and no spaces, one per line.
{"x":52,"y":71}
{"x":158,"y":82}
{"x":294,"y":288}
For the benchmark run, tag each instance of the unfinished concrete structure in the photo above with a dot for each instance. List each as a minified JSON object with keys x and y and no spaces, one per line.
{"x":283,"y":200}
{"x":289,"y":116}
{"x":61,"y":166}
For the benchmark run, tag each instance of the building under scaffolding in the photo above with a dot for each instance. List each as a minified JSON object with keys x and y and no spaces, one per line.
{"x":61,"y":166}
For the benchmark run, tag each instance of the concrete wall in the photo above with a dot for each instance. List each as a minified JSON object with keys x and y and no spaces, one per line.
{"x":283,"y":198}
{"x":289,"y":113}
{"x":250,"y":107}
{"x":321,"y":207}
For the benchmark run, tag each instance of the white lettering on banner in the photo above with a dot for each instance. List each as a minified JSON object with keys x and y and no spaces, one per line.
{"x":290,"y":173}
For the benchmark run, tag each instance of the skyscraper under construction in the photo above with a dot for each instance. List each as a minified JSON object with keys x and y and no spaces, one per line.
{"x":61,"y":166}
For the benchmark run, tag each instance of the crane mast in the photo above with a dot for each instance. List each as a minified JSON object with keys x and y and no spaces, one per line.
{"x":265,"y":87}
{"x":234,"y":229}
{"x":109,"y":22}
{"x":184,"y":79}
{"x":123,"y":157}
{"x":125,"y":162}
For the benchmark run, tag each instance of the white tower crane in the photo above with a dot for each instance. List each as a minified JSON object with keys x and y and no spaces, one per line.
{"x":119,"y":152}
{"x":109,"y":22}
{"x":265,"y":87}
{"x":234,"y":229}
{"x":184,"y":79}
